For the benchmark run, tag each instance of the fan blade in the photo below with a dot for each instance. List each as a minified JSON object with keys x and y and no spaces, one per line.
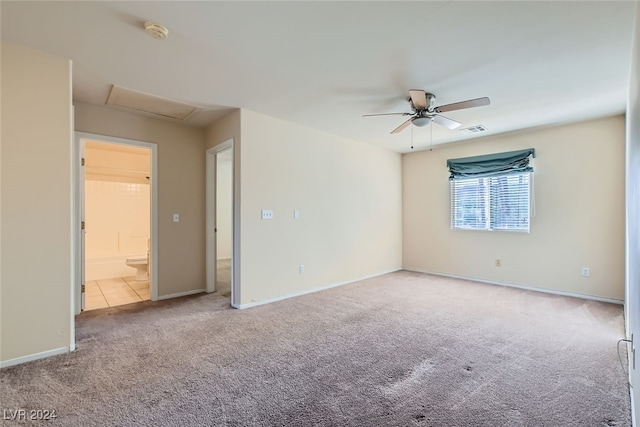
{"x":387,"y":114}
{"x":402,"y":126}
{"x":446,"y":122}
{"x":418,"y":99}
{"x":478,"y":102}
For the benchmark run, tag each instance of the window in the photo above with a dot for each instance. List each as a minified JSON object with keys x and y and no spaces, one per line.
{"x":499,"y":202}
{"x":492,"y":192}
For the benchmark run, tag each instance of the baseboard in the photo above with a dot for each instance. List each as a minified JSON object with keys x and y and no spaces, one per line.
{"x":32,"y":357}
{"x":182,"y":294}
{"x":310,"y":291}
{"x":525,"y":287}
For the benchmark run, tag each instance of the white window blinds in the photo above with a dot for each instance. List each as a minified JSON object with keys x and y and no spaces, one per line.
{"x":491,"y":203}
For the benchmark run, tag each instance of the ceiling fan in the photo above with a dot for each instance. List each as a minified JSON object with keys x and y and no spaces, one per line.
{"x":424,"y":111}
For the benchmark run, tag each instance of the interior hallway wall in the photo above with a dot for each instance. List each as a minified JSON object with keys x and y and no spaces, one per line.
{"x":220,"y":131}
{"x":579,"y":220}
{"x":36,"y":204}
{"x":181,"y":189}
{"x":347,"y":193}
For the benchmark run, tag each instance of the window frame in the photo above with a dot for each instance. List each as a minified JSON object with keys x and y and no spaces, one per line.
{"x":486,"y":202}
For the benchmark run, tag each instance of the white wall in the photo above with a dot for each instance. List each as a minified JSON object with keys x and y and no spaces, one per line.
{"x":116,"y":162}
{"x":349,"y":198}
{"x":633,"y":209}
{"x":579,"y":222}
{"x":117,"y":217}
{"x":117,"y":206}
{"x":36,"y":264}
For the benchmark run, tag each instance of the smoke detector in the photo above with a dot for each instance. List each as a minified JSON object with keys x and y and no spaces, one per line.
{"x":156,"y":31}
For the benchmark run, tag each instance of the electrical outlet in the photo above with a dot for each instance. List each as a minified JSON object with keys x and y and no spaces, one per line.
{"x":585,"y":271}
{"x":498,"y":262}
{"x":301,"y":268}
{"x":266,"y":214}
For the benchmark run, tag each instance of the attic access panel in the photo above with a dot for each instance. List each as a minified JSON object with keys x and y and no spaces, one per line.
{"x":127,"y":98}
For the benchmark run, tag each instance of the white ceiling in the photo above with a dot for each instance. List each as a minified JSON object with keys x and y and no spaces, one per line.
{"x":323,"y":64}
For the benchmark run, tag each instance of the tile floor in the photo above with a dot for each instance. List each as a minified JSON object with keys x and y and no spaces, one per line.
{"x":111,"y":292}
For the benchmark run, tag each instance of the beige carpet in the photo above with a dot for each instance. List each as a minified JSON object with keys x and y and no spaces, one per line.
{"x":404,"y":349}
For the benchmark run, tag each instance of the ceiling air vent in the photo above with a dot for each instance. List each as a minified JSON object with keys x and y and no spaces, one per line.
{"x":474,"y":129}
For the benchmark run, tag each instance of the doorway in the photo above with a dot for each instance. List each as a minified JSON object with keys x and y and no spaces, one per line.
{"x":116,"y":209}
{"x":221,"y":232}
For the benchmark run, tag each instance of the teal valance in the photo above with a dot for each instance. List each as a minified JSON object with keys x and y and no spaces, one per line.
{"x":491,"y":164}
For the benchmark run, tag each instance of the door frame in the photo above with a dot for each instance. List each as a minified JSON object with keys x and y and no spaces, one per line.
{"x":79,"y":207}
{"x":211,"y":190}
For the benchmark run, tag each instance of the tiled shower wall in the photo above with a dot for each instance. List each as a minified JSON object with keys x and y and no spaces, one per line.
{"x":117,"y":216}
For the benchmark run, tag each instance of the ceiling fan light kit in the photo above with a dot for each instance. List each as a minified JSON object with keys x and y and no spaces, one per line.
{"x":422,"y":121}
{"x":424,"y":110}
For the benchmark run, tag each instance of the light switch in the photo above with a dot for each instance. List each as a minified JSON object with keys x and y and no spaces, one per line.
{"x":296,"y":214}
{"x":176,"y":217}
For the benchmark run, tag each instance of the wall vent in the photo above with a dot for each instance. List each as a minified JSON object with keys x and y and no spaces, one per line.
{"x":475,"y":129}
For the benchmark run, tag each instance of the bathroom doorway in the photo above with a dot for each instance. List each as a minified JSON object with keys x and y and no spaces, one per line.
{"x":221,"y":265}
{"x":116,"y":209}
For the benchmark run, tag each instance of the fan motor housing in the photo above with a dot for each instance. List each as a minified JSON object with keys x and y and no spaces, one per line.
{"x":431,"y":101}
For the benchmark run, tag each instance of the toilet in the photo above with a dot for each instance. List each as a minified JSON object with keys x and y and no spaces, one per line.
{"x":141,"y":264}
